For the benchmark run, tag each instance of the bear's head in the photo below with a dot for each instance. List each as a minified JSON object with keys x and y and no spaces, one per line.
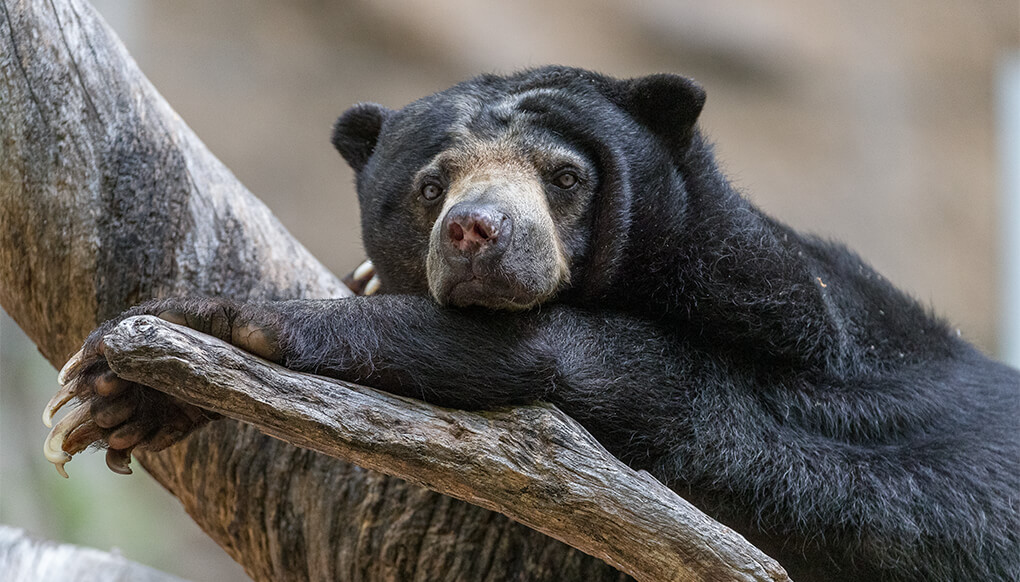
{"x":506,"y":192}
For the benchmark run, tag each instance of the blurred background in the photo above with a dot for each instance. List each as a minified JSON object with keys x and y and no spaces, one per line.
{"x":888,"y":124}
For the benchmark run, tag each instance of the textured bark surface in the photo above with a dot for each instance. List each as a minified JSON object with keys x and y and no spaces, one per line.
{"x":534,"y":464}
{"x":24,"y":558}
{"x":107,"y":199}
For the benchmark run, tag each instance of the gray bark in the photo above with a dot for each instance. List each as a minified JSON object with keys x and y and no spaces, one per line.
{"x":532,"y":463}
{"x":24,"y":558}
{"x":107,"y":199}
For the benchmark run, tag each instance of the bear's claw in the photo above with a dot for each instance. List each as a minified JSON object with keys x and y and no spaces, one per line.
{"x":62,"y":397}
{"x":71,"y":364}
{"x":53,"y":447}
{"x":363,"y":280}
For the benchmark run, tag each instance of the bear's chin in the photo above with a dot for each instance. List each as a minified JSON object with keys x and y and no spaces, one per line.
{"x":477,"y":292}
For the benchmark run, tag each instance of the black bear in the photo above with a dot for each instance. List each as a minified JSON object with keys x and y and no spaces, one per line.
{"x":568,"y":237}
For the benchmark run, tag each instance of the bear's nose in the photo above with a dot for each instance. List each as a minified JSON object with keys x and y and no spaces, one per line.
{"x":471,"y":229}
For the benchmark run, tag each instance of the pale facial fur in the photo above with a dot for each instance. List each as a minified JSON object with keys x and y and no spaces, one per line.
{"x":497,"y":173}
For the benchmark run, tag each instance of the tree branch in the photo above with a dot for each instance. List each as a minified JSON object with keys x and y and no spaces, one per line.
{"x":107,"y":199}
{"x":533,"y":464}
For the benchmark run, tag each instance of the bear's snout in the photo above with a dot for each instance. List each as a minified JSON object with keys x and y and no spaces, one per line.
{"x":494,"y":243}
{"x":473,"y":230}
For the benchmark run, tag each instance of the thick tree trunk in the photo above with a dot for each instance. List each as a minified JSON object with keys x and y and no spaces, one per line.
{"x":107,"y":199}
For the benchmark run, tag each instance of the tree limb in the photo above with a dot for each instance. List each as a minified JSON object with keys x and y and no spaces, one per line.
{"x":108,"y":199}
{"x":533,"y":464}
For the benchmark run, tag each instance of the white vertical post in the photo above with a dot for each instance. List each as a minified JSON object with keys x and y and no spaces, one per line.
{"x":1008,"y":124}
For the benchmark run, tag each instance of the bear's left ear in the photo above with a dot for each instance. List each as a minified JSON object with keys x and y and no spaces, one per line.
{"x":668,"y":105}
{"x":357,"y":131}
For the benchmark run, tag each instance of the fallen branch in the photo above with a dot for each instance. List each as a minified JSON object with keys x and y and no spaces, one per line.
{"x":533,"y":464}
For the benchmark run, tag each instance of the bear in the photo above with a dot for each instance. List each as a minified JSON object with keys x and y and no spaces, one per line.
{"x":563,"y":236}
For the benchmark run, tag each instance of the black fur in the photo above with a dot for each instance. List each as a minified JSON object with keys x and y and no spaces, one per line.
{"x":772,"y":378}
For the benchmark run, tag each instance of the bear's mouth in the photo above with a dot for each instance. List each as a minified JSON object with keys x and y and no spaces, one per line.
{"x":490,"y":292}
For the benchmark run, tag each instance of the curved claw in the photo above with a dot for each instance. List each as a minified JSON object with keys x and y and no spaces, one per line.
{"x":58,"y":458}
{"x":70,"y":365}
{"x":81,"y":437}
{"x":54,"y":443}
{"x":363,"y":280}
{"x":62,"y":397}
{"x":373,"y":285}
{"x":364,"y":270}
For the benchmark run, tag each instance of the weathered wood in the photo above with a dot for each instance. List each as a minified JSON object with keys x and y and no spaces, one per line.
{"x":534,"y":464}
{"x":107,"y":199}
{"x":27,"y":559}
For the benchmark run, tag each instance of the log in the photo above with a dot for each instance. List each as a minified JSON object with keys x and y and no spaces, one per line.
{"x":108,"y":199}
{"x":532,"y":463}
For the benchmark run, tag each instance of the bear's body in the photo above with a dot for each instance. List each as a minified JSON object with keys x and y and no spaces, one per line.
{"x":562,"y":236}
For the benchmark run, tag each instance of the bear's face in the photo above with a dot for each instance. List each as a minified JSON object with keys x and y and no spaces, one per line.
{"x":511,"y":216}
{"x":503,"y":192}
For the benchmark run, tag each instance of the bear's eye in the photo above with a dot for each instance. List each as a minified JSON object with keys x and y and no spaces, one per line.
{"x":431,"y":190}
{"x":566,"y":179}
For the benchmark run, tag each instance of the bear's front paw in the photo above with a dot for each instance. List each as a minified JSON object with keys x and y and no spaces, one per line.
{"x":119,"y":415}
{"x":113,"y":413}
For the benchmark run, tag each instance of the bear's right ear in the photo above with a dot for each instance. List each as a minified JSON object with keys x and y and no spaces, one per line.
{"x":357,"y":131}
